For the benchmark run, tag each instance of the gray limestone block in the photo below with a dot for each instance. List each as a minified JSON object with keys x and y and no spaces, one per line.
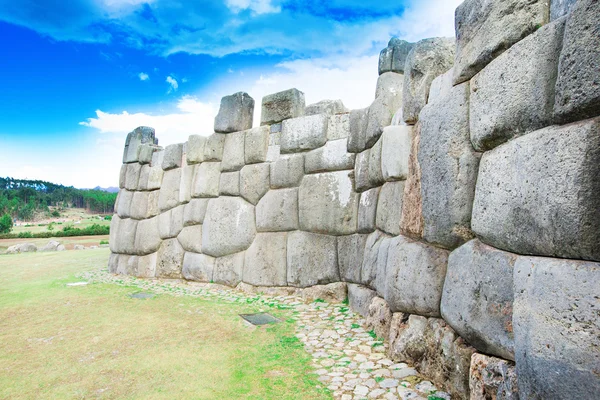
{"x":233,"y":152}
{"x":170,"y":223}
{"x":287,"y":171}
{"x":361,"y":171}
{"x":144,"y":175}
{"x":379,"y":318}
{"x":311,"y":259}
{"x":477,"y":300}
{"x":278,"y":211}
{"x":559,"y":8}
{"x":367,"y":210}
{"x":123,"y":176}
{"x":441,"y":85}
{"x":448,"y":167}
{"x":328,"y":204}
{"x":147,"y":237}
{"x":357,"y":125}
{"x":368,"y":273}
{"x":155,"y":177}
{"x":132,"y":176}
{"x":385,"y":60}
{"x":157,"y":158}
{"x":338,"y":127}
{"x":333,"y":156}
{"x":556,"y":328}
{"x":280,"y":106}
{"x":113,"y":239}
{"x":146,"y":266}
{"x":169,"y":259}
{"x":194,"y":212}
{"x":126,"y":236}
{"x":206,"y":180}
{"x":146,"y":151}
{"x":304,"y":133}
{"x":229,"y":226}
{"x":426,"y":61}
{"x":228,"y":269}
{"x":113,"y":263}
{"x":139,"y":205}
{"x":388,"y":98}
{"x":395,"y":151}
{"x":359,"y":298}
{"x":254,"y":182}
{"x":538,"y":194}
{"x":393,"y":57}
{"x":124,"y":203}
{"x":230,"y":183}
{"x":173,"y":156}
{"x":485,"y":29}
{"x":380,"y":283}
{"x":140,"y":135}
{"x":578,"y":83}
{"x":350,"y":252}
{"x":256,"y":145}
{"x":333,"y":293}
{"x":265,"y":260}
{"x":190,"y":238}
{"x":492,"y":377}
{"x":514,"y":94}
{"x":169,"y":190}
{"x":185,"y":185}
{"x":196,"y":145}
{"x":126,"y":265}
{"x":235,"y":113}
{"x":375,"y":170}
{"x":153,"y":209}
{"x":415,"y":277}
{"x":329,"y":107}
{"x":389,"y":207}
{"x":213,"y":148}
{"x":198,"y":267}
{"x":273,"y":153}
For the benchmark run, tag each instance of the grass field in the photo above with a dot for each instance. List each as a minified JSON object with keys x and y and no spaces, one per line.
{"x":68,"y":242}
{"x":94,"y":341}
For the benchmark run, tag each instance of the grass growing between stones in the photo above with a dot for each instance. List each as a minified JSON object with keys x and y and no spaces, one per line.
{"x":96,"y":341}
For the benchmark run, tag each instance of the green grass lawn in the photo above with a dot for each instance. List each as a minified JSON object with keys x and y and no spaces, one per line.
{"x":59,"y":342}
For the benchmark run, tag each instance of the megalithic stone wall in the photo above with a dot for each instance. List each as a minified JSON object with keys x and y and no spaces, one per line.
{"x":461,"y":208}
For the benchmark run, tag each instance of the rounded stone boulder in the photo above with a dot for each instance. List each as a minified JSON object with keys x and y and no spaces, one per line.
{"x":229,"y":226}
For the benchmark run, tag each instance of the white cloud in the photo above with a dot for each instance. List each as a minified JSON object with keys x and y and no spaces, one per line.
{"x":143,"y":76}
{"x":256,"y":6}
{"x":173,"y":82}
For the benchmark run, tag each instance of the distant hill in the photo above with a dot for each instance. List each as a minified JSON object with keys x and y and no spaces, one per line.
{"x":110,"y":189}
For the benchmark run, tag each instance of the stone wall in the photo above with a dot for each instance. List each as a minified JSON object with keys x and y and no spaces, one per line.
{"x":461,"y":208}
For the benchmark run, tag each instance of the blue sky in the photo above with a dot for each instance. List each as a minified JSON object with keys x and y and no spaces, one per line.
{"x":77,"y":75}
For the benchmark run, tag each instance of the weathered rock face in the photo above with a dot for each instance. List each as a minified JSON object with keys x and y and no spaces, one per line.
{"x":256,"y":145}
{"x":329,"y":107}
{"x":559,"y":8}
{"x":254,"y":182}
{"x":304,"y":133}
{"x":428,"y":59}
{"x":173,"y":156}
{"x":278,"y":211}
{"x":22,"y":248}
{"x":556,"y":328}
{"x":393,"y":57}
{"x":169,"y":259}
{"x":379,"y":317}
{"x":233,"y":152}
{"x":485,"y":29}
{"x":235,"y":113}
{"x":478,"y":297}
{"x":311,"y":259}
{"x":492,"y":378}
{"x":196,"y":145}
{"x":350,"y":252}
{"x":558,"y":215}
{"x":213,"y":149}
{"x":206,"y":180}
{"x":514,"y":94}
{"x":229,"y":183}
{"x":577,"y":86}
{"x":147,"y":237}
{"x":135,"y":139}
{"x":357,"y":140}
{"x":194,"y":212}
{"x":395,"y":151}
{"x":367,"y":210}
{"x":198,"y":267}
{"x":265,"y":260}
{"x":281,"y":106}
{"x":388,"y":98}
{"x":229,"y":226}
{"x":359,"y":298}
{"x":287,"y":171}
{"x":190,"y":238}
{"x":411,"y":220}
{"x":333,"y":156}
{"x":389,"y":207}
{"x":228,"y":269}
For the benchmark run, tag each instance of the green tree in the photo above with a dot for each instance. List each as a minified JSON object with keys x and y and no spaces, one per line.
{"x":6,"y":224}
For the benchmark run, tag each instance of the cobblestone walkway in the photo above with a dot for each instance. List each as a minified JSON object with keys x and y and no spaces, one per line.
{"x":348,"y":360}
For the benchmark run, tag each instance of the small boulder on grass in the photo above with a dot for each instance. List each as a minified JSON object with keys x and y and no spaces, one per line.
{"x":22,"y":248}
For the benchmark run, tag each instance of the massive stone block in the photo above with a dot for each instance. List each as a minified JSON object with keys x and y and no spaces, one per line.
{"x":280,"y":106}
{"x":256,"y":145}
{"x":557,"y":328}
{"x":361,"y":171}
{"x":379,"y":318}
{"x":338,"y":126}
{"x":359,"y":298}
{"x":170,"y":223}
{"x":113,"y":238}
{"x":329,"y":107}
{"x":145,"y":153}
{"x":427,"y":60}
{"x":143,"y":179}
{"x":190,"y":238}
{"x":393,"y":57}
{"x":578,"y":83}
{"x":367,"y":210}
{"x":448,"y":166}
{"x":229,"y":226}
{"x":375,"y":171}
{"x":357,"y":139}
{"x":229,"y":184}
{"x":492,"y":378}
{"x":213,"y":149}
{"x":395,"y":151}
{"x":125,"y":236}
{"x":123,"y":203}
{"x":265,"y":260}
{"x":559,"y":8}
{"x":169,"y":191}
{"x":389,"y":207}
{"x":169,"y":259}
{"x":311,"y":259}
{"x":350,"y":253}
{"x":328,"y":204}
{"x":371,"y":254}
{"x":155,"y":177}
{"x":415,"y":276}
{"x":478,"y":297}
{"x":233,"y":152}
{"x":132,"y":176}
{"x":235,"y":113}
{"x":147,"y":237}
{"x":411,"y":221}
{"x":331,"y":157}
{"x":195,"y":149}
{"x":514,"y":94}
{"x":207,"y":180}
{"x":187,"y":181}
{"x":287,"y":171}
{"x":304,"y":133}
{"x":194,"y":211}
{"x":278,"y":211}
{"x":135,"y":139}
{"x":173,"y":156}
{"x":485,"y":29}
{"x":388,"y":98}
{"x":538,"y":194}
{"x":123,"y":176}
{"x":254,"y":182}
{"x":198,"y":267}
{"x":228,"y":269}
{"x":146,"y":266}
